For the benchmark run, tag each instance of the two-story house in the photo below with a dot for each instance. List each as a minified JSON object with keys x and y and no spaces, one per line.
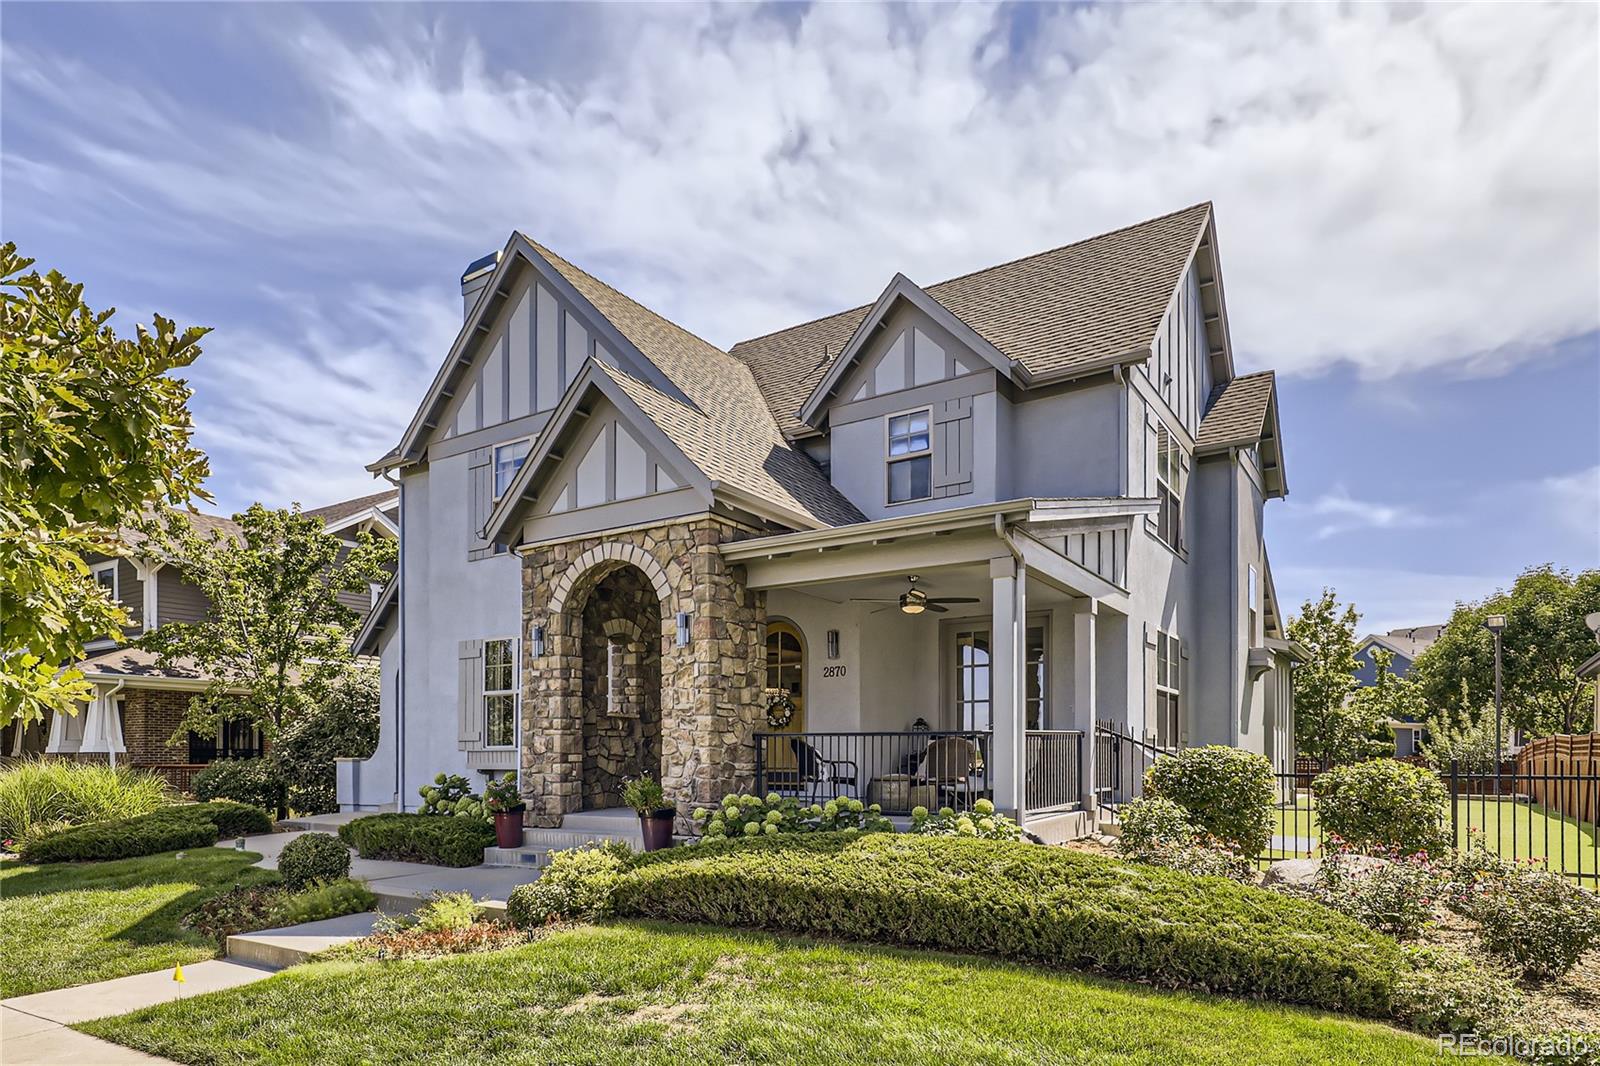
{"x":134,"y":715}
{"x":911,"y":552}
{"x":1403,"y":646}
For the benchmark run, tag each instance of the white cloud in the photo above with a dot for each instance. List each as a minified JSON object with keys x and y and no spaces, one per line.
{"x":1336,"y":511}
{"x":1387,"y":598}
{"x":1401,"y":188}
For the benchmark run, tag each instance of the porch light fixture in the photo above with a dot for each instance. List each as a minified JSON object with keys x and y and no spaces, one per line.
{"x":833,"y":643}
{"x":538,"y":642}
{"x":683,"y":629}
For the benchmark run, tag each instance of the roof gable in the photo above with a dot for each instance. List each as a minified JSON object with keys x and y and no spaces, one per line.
{"x":1244,"y":412}
{"x":1058,"y":314}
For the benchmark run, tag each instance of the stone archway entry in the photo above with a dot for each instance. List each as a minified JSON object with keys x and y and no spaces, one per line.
{"x":621,"y":686}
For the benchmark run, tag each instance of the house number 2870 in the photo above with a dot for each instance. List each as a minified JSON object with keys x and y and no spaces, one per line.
{"x":833,"y":671}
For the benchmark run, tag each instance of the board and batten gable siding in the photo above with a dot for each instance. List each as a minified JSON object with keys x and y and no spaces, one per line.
{"x":1179,"y":368}
{"x":527,"y":357}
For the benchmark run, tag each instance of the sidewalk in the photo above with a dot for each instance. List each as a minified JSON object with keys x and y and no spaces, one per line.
{"x":33,"y":1029}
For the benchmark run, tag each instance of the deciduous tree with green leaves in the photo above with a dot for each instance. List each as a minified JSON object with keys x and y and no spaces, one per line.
{"x":1329,"y":725}
{"x":94,"y":432}
{"x":277,"y":636}
{"x":1544,"y":642}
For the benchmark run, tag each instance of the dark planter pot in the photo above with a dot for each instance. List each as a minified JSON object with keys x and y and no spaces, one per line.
{"x":508,"y":828}
{"x":657,"y":828}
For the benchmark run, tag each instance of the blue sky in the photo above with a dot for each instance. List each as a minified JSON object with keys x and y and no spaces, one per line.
{"x":1406,"y":201}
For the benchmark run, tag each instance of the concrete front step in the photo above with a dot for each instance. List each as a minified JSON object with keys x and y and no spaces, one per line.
{"x":576,"y":830}
{"x":276,"y":948}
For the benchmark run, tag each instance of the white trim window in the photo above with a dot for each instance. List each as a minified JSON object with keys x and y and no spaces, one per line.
{"x":1169,"y":689}
{"x":499,"y":694}
{"x":1252,"y":605}
{"x":508,"y":459}
{"x":1169,"y":489}
{"x":105,"y":575}
{"x":910,"y":456}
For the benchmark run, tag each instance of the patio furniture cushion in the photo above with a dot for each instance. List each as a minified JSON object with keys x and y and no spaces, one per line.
{"x":948,"y":760}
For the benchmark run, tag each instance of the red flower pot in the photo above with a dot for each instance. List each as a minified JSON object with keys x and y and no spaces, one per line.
{"x":508,"y":829}
{"x":657,"y":828}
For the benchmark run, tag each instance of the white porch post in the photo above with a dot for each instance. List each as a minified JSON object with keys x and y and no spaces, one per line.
{"x":1007,"y":674}
{"x":1084,"y":694}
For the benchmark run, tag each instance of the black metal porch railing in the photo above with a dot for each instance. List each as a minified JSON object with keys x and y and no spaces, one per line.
{"x":1120,"y":759}
{"x":897,"y":771}
{"x":1053,"y":761}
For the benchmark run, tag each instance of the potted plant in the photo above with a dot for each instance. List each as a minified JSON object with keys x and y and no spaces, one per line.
{"x":505,"y":803}
{"x":645,"y":796}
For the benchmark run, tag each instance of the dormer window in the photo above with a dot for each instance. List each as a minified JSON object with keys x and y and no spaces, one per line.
{"x":910,"y":457}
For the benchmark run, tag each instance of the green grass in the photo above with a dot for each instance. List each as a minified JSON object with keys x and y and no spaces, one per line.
{"x":681,"y":996}
{"x":1522,"y":831}
{"x":72,"y":923}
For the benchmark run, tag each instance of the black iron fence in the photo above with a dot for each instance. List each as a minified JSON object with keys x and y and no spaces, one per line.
{"x":1121,"y":756}
{"x":897,"y":771}
{"x":1054,"y":770}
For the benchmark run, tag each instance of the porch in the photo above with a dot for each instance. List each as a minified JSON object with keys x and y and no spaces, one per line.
{"x":939,"y":660}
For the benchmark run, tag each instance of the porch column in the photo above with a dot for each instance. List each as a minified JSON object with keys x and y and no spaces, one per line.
{"x":1084,"y":694}
{"x":1007,"y":674}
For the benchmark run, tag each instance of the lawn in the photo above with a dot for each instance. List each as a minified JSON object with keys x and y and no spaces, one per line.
{"x":1521,"y":830}
{"x":72,"y":923}
{"x":681,"y":995}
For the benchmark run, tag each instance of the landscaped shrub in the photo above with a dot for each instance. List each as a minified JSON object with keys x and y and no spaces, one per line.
{"x":1227,"y":792}
{"x":983,"y":822}
{"x":452,"y":794}
{"x":441,"y":912}
{"x":344,"y":724}
{"x":1020,"y":901}
{"x":1383,"y":803}
{"x":242,"y":909}
{"x":322,"y":901}
{"x":1154,"y":822}
{"x":1441,"y":991}
{"x":313,"y":857}
{"x":256,"y":782}
{"x":1539,"y":921}
{"x":39,"y":793}
{"x":749,"y":816}
{"x":425,"y":838}
{"x":191,"y":825}
{"x":1473,"y":871}
{"x":416,"y":943}
{"x":1393,"y":893}
{"x":575,"y":886}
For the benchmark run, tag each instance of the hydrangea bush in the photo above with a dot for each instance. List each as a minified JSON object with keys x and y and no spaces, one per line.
{"x":749,"y":816}
{"x":982,"y":822}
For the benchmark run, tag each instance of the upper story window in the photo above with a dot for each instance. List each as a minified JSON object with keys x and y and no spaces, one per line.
{"x":105,"y":575}
{"x":1253,"y":606}
{"x":910,"y":457}
{"x":499,"y":694}
{"x":1169,"y":489}
{"x":508,"y":459}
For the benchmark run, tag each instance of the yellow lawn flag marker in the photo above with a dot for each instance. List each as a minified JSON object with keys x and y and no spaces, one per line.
{"x":177,"y":975}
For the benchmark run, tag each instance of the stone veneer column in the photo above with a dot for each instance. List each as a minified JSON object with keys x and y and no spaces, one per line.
{"x":710,"y":688}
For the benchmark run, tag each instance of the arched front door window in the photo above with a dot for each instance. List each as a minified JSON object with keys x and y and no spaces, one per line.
{"x":786,"y":673}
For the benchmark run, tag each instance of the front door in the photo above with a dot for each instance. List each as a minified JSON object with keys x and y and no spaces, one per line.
{"x":972,"y":685}
{"x":785,"y":694}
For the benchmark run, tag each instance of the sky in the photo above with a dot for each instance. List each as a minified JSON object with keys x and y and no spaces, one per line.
{"x":1407,"y":204}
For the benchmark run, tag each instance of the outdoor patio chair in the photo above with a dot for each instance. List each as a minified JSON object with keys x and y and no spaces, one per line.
{"x":822,"y":774}
{"x":952,"y":765}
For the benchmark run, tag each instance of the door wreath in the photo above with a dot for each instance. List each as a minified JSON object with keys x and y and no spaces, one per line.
{"x":780,"y":709}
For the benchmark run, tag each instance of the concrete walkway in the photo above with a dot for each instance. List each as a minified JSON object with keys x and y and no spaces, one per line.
{"x":33,"y":1029}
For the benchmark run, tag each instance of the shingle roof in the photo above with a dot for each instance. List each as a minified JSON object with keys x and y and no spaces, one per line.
{"x":725,"y":429}
{"x":1071,"y":308}
{"x":136,"y":662}
{"x":1236,"y":412}
{"x":333,"y":512}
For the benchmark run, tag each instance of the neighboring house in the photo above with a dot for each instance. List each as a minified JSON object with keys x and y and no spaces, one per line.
{"x":627,"y":551}
{"x":137,"y":705}
{"x":1403,"y":646}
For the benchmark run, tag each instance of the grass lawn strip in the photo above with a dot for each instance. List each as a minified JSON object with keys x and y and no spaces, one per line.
{"x":681,"y":995}
{"x":74,"y":923}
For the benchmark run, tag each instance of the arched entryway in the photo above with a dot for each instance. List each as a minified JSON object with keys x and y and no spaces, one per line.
{"x":620,"y":638}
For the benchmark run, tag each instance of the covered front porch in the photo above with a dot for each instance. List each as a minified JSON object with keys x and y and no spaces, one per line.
{"x":980,"y":679}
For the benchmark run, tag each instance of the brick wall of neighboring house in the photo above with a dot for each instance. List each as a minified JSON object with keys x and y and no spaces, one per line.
{"x":149,"y":719}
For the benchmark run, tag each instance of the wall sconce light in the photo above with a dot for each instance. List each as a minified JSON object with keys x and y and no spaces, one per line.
{"x":683,"y":629}
{"x":538,"y":642}
{"x":833,"y":643}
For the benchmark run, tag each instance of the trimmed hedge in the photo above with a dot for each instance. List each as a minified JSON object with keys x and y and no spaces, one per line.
{"x":1021,"y":901}
{"x":312,"y":859}
{"x":192,"y":825}
{"x":441,"y":840}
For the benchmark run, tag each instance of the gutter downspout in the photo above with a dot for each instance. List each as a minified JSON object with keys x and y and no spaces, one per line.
{"x":400,"y":678}
{"x":110,"y":708}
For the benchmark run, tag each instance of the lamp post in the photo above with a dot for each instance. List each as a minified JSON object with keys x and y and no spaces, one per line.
{"x":1495,"y":623}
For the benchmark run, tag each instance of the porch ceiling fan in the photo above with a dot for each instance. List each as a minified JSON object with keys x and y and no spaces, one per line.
{"x":914,"y":601}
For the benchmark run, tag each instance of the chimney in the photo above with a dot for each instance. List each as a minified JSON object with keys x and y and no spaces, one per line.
{"x":474,"y":278}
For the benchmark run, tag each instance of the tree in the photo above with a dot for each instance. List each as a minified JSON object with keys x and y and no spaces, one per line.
{"x":344,"y":725}
{"x":94,"y":432}
{"x":1328,"y":724}
{"x":1372,"y":707}
{"x":1543,"y":643}
{"x":276,"y":637}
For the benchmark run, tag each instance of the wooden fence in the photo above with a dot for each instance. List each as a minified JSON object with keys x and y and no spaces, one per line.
{"x":1553,"y":767}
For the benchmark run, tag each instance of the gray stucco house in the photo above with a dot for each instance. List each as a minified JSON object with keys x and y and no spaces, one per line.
{"x":912,"y":552}
{"x":1403,"y":646}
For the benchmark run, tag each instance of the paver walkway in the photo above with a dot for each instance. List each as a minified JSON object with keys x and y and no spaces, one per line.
{"x":33,"y":1029}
